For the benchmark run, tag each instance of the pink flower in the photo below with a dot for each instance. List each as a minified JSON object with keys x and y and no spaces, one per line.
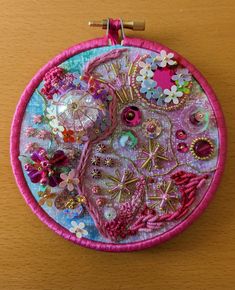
{"x":30,"y":147}
{"x":45,"y":168}
{"x":30,"y":132}
{"x":43,"y":134}
{"x":71,"y":153}
{"x":37,"y":119}
{"x":69,"y":180}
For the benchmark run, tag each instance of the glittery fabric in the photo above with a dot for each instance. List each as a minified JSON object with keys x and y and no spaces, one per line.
{"x":144,"y":177}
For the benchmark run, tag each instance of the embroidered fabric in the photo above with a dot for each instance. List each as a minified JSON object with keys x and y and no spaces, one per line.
{"x":120,"y":146}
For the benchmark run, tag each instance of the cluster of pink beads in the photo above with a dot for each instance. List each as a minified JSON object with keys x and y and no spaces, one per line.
{"x":52,"y":79}
{"x":118,"y":228}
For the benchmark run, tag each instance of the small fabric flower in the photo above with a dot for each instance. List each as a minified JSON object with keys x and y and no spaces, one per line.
{"x":78,"y":229}
{"x":57,"y":129}
{"x":141,"y":78}
{"x":43,"y":134}
{"x":51,"y":114}
{"x":71,"y":153}
{"x":45,"y":169}
{"x":146,"y":69}
{"x":30,"y":132}
{"x":30,"y":147}
{"x":182,"y":75}
{"x":153,"y":61}
{"x":172,"y":95}
{"x":159,"y":96}
{"x":37,"y":119}
{"x":68,"y":135}
{"x":148,"y":88}
{"x":69,"y":180}
{"x":163,"y":59}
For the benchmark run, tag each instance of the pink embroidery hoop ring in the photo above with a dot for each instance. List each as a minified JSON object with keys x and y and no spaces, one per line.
{"x":22,"y":184}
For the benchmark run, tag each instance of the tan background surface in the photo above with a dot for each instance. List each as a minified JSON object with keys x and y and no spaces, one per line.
{"x":31,"y":255}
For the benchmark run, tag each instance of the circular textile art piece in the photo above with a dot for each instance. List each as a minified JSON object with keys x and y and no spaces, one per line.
{"x":118,"y":146}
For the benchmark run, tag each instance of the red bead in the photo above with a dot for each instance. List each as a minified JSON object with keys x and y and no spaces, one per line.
{"x":182,"y":147}
{"x":151,"y":128}
{"x":181,"y":134}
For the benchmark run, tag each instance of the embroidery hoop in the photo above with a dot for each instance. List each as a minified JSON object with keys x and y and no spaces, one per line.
{"x":16,"y":129}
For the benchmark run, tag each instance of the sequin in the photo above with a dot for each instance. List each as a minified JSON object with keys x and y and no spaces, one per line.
{"x":110,"y":213}
{"x":152,"y":128}
{"x":198,"y":117}
{"x":181,"y":134}
{"x":182,"y":147}
{"x":131,"y":116}
{"x":128,"y":139}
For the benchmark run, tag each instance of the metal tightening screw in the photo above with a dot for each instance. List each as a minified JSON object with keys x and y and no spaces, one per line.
{"x":134,"y":25}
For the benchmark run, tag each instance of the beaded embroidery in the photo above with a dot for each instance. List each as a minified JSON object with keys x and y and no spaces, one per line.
{"x":119,"y":144}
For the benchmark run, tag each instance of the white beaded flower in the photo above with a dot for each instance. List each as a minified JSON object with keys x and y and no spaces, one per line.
{"x":172,"y":95}
{"x":146,"y":69}
{"x":164,"y":59}
{"x":78,"y":229}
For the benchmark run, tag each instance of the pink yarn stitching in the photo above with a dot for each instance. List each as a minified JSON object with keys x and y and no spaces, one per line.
{"x":188,"y":183}
{"x":113,"y":54}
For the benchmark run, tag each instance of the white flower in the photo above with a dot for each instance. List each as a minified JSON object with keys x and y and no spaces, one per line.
{"x":78,"y":229}
{"x":141,"y":78}
{"x":172,"y":95}
{"x":69,"y":180}
{"x":146,"y":70}
{"x":164,"y":59}
{"x":51,"y":113}
{"x":56,"y":127}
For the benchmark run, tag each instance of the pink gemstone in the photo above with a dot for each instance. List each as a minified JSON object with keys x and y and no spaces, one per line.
{"x":163,"y":77}
{"x":203,"y":148}
{"x":151,"y":128}
{"x":182,"y":147}
{"x":181,"y":134}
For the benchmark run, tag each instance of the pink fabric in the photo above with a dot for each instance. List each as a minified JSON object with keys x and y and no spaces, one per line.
{"x":114,"y":27}
{"x":17,"y":169}
{"x":163,"y":78}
